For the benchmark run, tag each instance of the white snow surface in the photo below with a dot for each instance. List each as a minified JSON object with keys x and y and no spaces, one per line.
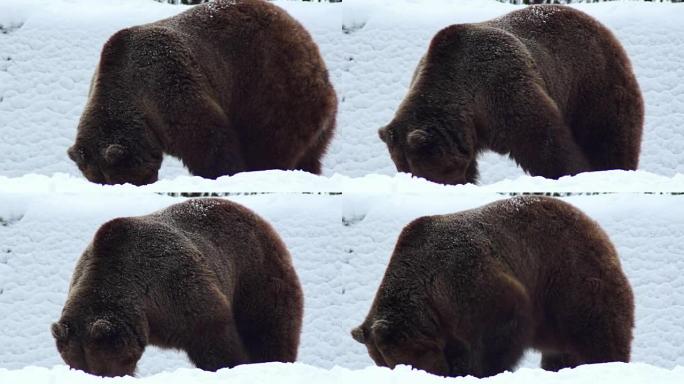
{"x":298,"y":373}
{"x":51,"y":47}
{"x":340,"y":246}
{"x":299,"y":181}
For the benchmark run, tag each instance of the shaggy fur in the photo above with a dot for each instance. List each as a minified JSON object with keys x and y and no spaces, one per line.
{"x":548,"y":85}
{"x":205,"y":276}
{"x":227,"y":86}
{"x":468,"y":293}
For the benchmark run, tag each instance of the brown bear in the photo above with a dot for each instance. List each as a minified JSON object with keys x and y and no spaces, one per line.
{"x":548,"y":85}
{"x":206,"y":276}
{"x":468,"y":293}
{"x":227,"y":86}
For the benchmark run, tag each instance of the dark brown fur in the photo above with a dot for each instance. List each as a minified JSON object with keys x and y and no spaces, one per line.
{"x":205,"y":276}
{"x":227,"y":86}
{"x":468,"y":293}
{"x":548,"y":85}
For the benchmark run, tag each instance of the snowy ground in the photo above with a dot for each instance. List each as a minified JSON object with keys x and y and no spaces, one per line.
{"x":340,"y":245}
{"x":298,"y":373}
{"x":50,"y":48}
{"x":298,"y":181}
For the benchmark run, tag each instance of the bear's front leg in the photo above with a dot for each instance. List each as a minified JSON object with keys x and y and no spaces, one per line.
{"x":217,"y":345}
{"x":540,"y":142}
{"x":460,"y":359}
{"x":212,"y":148}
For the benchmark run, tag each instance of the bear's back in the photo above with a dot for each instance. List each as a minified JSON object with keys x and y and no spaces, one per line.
{"x":543,"y":225}
{"x":143,"y":240}
{"x":192,"y":232}
{"x":232,"y":29}
{"x":572,"y":51}
{"x":208,"y":237}
{"x":562,"y":30}
{"x":230,"y":229}
{"x":520,"y":226}
{"x":528,"y":239}
{"x":212,"y":218}
{"x":212,"y":39}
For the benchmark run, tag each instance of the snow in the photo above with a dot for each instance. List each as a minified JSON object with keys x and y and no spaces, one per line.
{"x":297,"y":181}
{"x":342,"y":232}
{"x":298,"y":373}
{"x":340,"y":244}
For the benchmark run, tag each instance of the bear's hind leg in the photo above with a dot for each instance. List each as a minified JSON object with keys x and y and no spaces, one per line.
{"x":606,"y":152}
{"x":609,"y":127}
{"x":269,"y":319}
{"x":603,"y":345}
{"x":311,"y":164}
{"x":212,"y":147}
{"x":539,"y":140}
{"x":311,"y":159}
{"x":598,"y":328}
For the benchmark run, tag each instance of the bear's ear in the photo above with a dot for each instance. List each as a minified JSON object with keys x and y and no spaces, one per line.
{"x":380,"y":326}
{"x":76,"y":155}
{"x":386,"y":135}
{"x":359,"y":334}
{"x":380,"y":329}
{"x":382,"y":133}
{"x":101,"y":329}
{"x":59,"y":331}
{"x":114,"y":153}
{"x":419,"y":139}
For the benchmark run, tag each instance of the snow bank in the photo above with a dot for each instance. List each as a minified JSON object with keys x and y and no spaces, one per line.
{"x":340,"y":246}
{"x":298,"y":181}
{"x":298,"y":373}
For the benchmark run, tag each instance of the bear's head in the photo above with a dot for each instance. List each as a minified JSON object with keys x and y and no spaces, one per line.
{"x":389,"y":345}
{"x":103,"y":347}
{"x":107,"y":162}
{"x":445,"y":156}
